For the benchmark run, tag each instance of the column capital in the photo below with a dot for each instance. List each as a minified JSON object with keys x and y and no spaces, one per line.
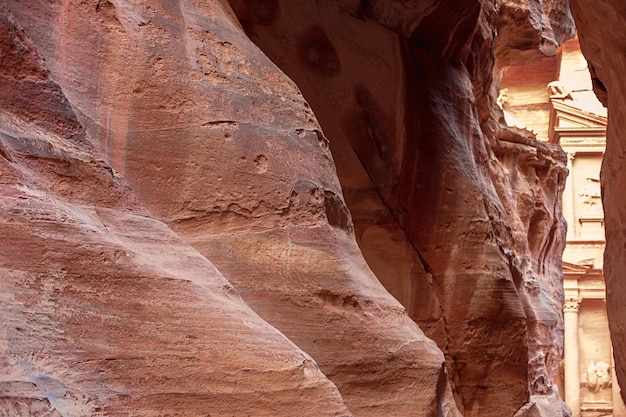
{"x":571,"y":305}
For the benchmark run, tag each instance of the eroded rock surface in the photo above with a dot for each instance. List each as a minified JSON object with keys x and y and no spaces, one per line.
{"x":157,"y":165}
{"x":458,"y":215}
{"x":106,"y":311}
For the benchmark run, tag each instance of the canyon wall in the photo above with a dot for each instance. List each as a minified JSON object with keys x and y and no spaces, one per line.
{"x":183,"y":232}
{"x":106,"y":311}
{"x":457,"y":215}
{"x":603,"y":43}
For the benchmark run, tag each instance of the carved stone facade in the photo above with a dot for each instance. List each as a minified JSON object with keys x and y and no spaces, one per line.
{"x":577,"y":121}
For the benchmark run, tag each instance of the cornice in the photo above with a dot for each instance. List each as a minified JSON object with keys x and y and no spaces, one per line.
{"x":566,"y":109}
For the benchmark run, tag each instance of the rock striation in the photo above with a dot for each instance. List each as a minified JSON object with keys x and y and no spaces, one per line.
{"x":184,"y":233}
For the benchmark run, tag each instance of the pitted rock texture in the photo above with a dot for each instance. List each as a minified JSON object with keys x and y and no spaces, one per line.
{"x":602,"y":42}
{"x":157,"y":165}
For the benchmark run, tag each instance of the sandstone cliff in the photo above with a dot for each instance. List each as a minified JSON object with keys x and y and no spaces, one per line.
{"x":179,"y":232}
{"x":458,"y":217}
{"x":105,"y":310}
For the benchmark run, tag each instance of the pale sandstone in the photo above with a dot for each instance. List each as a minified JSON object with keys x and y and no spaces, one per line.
{"x":577,"y":121}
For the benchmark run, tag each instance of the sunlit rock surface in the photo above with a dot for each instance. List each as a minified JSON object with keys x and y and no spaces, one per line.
{"x":106,"y":311}
{"x":158,"y":166}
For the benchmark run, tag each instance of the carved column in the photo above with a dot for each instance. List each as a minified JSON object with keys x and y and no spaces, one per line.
{"x":569,"y":198}
{"x":572,"y":373}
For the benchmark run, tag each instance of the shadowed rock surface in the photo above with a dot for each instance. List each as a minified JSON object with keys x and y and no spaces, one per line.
{"x":458,"y":216}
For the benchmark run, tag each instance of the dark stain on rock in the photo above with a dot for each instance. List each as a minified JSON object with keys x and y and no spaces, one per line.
{"x":263,"y":12}
{"x":371,"y":134}
{"x":255,"y":12}
{"x":336,"y":212}
{"x":318,"y":53}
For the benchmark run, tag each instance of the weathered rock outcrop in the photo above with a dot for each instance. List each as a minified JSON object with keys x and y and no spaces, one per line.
{"x":458,"y":216}
{"x":214,"y":140}
{"x":105,"y":310}
{"x":602,"y":42}
{"x":145,"y":142}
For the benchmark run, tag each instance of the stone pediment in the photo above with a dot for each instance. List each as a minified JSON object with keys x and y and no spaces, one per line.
{"x":569,"y":123}
{"x":568,"y":112}
{"x":575,"y":268}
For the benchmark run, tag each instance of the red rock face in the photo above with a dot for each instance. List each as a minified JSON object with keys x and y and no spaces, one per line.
{"x":105,"y":310}
{"x":602,"y":43}
{"x":156,"y":164}
{"x":240,"y":169}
